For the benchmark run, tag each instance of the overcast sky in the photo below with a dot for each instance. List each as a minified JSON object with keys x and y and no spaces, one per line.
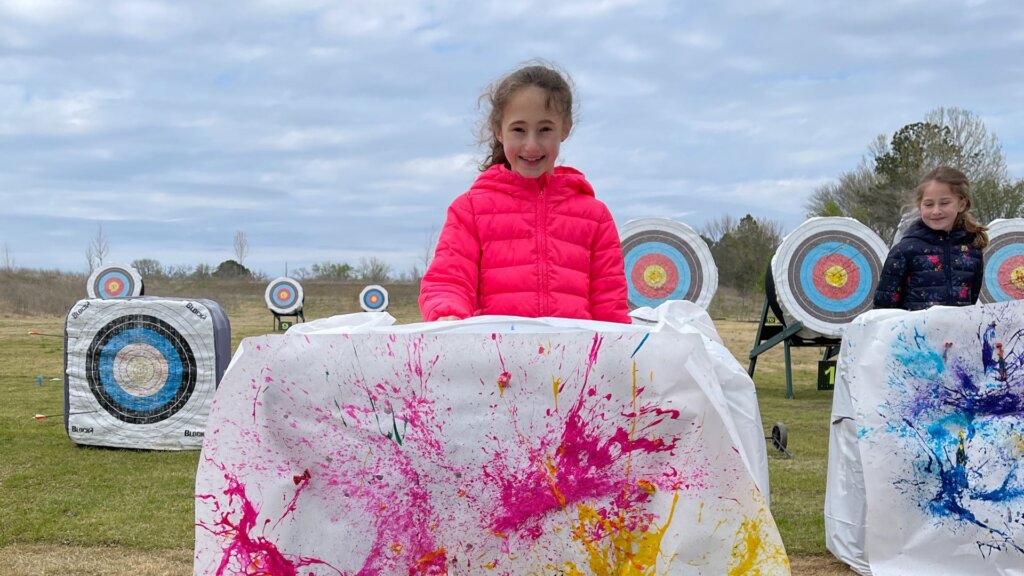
{"x":334,"y":131}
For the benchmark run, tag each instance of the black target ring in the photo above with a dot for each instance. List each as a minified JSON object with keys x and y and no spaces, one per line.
{"x":104,"y":369}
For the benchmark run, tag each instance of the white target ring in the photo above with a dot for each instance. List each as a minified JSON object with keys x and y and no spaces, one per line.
{"x":1004,"y":262}
{"x":284,"y":295}
{"x":374,"y":298}
{"x":142,"y":373}
{"x":114,"y":281}
{"x":667,"y":260}
{"x":826,"y":271}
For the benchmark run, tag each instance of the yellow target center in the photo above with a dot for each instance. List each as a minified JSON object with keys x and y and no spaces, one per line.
{"x":283,"y":295}
{"x":836,"y":276}
{"x":1017,"y":277}
{"x":114,"y":286}
{"x":655,"y":276}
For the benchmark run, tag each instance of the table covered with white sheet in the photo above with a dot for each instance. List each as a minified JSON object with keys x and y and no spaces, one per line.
{"x":487,"y":446}
{"x":926,"y":448}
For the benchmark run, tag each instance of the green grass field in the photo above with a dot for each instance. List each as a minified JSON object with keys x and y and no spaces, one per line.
{"x":111,"y":511}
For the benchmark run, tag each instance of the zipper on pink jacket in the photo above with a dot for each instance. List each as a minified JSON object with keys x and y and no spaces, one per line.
{"x":542,"y":229}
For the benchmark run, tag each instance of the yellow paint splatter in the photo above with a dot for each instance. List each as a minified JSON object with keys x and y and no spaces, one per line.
{"x":620,"y":550}
{"x":753,"y":554}
{"x":556,"y":384}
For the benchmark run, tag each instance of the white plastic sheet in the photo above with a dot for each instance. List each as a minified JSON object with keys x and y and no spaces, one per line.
{"x":925,"y":450}
{"x":495,"y":445}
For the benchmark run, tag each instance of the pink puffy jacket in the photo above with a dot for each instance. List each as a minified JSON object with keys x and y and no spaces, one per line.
{"x":518,"y":246}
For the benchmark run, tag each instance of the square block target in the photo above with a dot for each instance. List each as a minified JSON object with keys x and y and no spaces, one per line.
{"x":1004,"y":262}
{"x":142,"y":372}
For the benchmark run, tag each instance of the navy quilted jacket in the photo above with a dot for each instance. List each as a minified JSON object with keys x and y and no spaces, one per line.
{"x":928,"y":268}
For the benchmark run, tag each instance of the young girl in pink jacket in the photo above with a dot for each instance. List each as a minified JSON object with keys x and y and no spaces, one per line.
{"x":528,"y":238}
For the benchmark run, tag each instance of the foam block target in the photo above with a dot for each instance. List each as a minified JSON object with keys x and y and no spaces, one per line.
{"x":666,"y":260}
{"x":284,"y":295}
{"x":142,"y":372}
{"x":1004,"y":262}
{"x":825,"y":273}
{"x":114,"y":281}
{"x":374,"y":298}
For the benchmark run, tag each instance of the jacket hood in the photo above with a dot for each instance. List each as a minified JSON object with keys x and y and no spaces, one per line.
{"x":563,"y":182}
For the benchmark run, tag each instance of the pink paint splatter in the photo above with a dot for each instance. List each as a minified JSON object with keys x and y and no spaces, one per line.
{"x":244,"y":552}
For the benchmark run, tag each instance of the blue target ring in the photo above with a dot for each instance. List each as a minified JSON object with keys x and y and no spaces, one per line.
{"x":117,"y":393}
{"x":682,"y":267}
{"x":864,"y":289}
{"x":144,"y":346}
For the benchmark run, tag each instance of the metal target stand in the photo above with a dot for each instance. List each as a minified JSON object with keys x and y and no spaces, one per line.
{"x":770,"y":335}
{"x":280,"y":324}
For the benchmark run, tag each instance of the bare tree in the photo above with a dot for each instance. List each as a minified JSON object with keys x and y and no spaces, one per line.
{"x":97,"y":250}
{"x":241,"y":247}
{"x":7,"y":258}
{"x":373,"y":269}
{"x":429,"y":245}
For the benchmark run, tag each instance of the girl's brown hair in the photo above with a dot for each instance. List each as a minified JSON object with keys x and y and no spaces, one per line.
{"x":556,"y":83}
{"x":957,"y":182}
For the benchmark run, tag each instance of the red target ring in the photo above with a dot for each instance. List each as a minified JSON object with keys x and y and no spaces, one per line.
{"x":655,"y":276}
{"x":836,"y":276}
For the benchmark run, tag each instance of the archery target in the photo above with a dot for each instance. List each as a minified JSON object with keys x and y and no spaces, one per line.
{"x":825,"y":273}
{"x":141,"y":373}
{"x":1004,"y":262}
{"x":667,"y":260}
{"x":374,"y":298}
{"x":114,"y":281}
{"x":284,"y":295}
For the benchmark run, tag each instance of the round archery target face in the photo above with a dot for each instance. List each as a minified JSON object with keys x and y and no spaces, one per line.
{"x":826,"y":271}
{"x":114,"y":281}
{"x":140,"y":369}
{"x":666,"y":260}
{"x":1004,"y":262}
{"x":284,"y":295}
{"x":374,"y":298}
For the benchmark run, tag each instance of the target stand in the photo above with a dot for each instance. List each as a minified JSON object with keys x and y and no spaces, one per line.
{"x":771,"y":334}
{"x":822,"y":276}
{"x":285,"y":300}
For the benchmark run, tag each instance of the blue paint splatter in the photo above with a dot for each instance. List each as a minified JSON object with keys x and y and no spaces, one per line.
{"x":961,"y":406}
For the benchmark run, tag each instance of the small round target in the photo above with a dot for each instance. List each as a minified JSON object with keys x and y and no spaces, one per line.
{"x":284,"y":295}
{"x":826,"y":271}
{"x":1004,"y":262}
{"x":114,"y":281}
{"x":667,"y":260}
{"x":140,"y":369}
{"x":374,"y":298}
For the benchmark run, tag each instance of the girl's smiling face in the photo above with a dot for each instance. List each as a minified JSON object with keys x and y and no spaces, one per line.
{"x":532,"y":132}
{"x":940,"y":206}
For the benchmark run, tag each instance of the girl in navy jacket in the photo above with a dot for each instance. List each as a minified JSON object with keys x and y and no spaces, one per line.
{"x":938,"y":261}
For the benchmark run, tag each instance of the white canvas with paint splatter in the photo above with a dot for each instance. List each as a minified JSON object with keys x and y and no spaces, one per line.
{"x":939,"y":398}
{"x":477,"y":453}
